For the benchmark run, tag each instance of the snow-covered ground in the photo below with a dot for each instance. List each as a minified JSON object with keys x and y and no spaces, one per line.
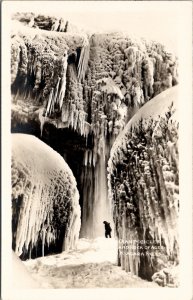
{"x":21,"y":277}
{"x":91,"y":265}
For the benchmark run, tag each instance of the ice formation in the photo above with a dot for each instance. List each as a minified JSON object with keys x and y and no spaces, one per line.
{"x":49,"y":23}
{"x":144,"y":185}
{"x":45,"y":199}
{"x":84,"y":57}
{"x":94,"y":91}
{"x":63,"y":81}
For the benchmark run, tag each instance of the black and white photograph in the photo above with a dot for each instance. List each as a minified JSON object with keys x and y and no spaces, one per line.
{"x":94,"y":101}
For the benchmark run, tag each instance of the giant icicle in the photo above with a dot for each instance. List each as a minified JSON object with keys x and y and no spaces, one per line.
{"x":63,"y":80}
{"x":143,"y":184}
{"x":84,"y":57}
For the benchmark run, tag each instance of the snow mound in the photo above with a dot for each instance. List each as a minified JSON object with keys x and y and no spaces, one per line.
{"x":45,"y":199}
{"x":21,"y":276}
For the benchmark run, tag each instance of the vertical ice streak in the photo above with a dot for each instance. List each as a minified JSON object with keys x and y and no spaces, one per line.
{"x":84,"y":57}
{"x":63,"y":80}
{"x":50,"y":99}
{"x":56,"y":91}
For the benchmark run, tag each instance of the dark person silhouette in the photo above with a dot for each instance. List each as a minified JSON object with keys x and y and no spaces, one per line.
{"x":107,"y":229}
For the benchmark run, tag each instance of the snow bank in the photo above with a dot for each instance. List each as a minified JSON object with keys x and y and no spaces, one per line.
{"x":45,"y":199}
{"x":21,"y":276}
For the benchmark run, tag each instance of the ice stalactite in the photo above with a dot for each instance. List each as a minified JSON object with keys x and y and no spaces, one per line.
{"x":63,"y":80}
{"x":55,"y":100}
{"x":45,"y":199}
{"x":84,"y":58}
{"x":15,"y":59}
{"x":56,"y":96}
{"x":73,"y":113}
{"x":62,"y":25}
{"x":55,"y":25}
{"x":143,"y":185}
{"x":75,"y":119}
{"x":42,"y":120}
{"x":50,"y":101}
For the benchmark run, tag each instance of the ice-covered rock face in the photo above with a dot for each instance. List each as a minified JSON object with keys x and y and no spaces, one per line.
{"x":49,"y":23}
{"x":144,"y":187}
{"x":91,"y":84}
{"x":45,"y":199}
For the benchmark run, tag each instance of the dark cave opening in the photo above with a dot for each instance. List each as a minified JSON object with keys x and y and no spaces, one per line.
{"x":71,"y":146}
{"x":16,"y":204}
{"x":53,"y":248}
{"x":68,"y":143}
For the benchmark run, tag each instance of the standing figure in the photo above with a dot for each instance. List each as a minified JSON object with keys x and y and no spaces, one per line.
{"x":107,"y":229}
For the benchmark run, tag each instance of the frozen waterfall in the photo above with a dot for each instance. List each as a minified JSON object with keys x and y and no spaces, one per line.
{"x":96,"y":203}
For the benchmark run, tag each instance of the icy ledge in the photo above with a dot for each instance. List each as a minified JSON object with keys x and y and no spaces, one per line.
{"x":45,"y":199}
